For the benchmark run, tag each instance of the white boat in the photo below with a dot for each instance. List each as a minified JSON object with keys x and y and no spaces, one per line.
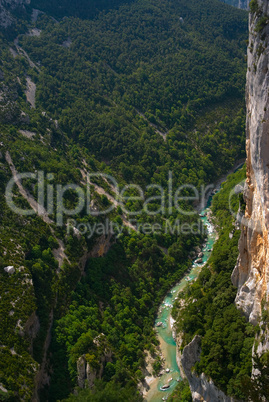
{"x":165,"y":387}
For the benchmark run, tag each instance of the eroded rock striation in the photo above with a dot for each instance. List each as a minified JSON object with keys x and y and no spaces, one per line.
{"x":252,"y":270}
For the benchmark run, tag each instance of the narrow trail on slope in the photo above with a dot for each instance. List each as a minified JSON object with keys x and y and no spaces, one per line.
{"x":39,"y":209}
{"x":164,"y":135}
{"x":30,"y":91}
{"x":156,"y":129}
{"x":59,"y":254}
{"x":99,"y":190}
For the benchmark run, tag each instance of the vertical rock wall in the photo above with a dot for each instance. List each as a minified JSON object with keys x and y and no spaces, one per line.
{"x":251,"y":274}
{"x":252,"y":270}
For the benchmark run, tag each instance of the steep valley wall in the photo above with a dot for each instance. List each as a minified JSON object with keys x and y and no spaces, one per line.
{"x":251,"y":274}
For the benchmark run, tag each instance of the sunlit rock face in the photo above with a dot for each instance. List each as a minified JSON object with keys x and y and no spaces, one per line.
{"x":252,"y":270}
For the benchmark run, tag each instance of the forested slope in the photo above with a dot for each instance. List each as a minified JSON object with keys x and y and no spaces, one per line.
{"x":136,"y":91}
{"x":168,"y":61}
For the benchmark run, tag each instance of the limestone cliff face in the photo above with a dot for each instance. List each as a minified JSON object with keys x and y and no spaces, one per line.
{"x":6,"y":6}
{"x":202,"y":388}
{"x":251,"y":274}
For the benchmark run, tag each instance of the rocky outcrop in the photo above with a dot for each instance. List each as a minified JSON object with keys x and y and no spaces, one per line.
{"x":10,"y":269}
{"x":202,"y":388}
{"x":32,"y":328}
{"x":6,"y":8}
{"x":190,"y":355}
{"x":252,"y":270}
{"x":91,"y":367}
{"x":101,"y":246}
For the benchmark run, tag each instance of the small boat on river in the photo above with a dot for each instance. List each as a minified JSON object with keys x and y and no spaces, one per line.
{"x":165,"y":387}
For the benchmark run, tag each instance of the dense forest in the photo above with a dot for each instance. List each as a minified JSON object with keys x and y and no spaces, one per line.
{"x":149,"y":64}
{"x":133,"y":90}
{"x":79,"y":8}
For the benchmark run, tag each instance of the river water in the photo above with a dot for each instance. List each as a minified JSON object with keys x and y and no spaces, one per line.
{"x":167,"y":342}
{"x":165,"y":335}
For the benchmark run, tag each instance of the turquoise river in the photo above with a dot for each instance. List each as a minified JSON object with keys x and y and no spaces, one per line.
{"x":165,"y":336}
